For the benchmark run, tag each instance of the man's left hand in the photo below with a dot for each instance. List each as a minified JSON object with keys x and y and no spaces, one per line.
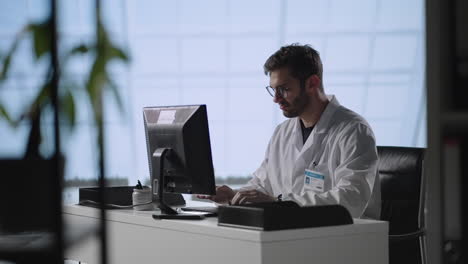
{"x":251,"y":196}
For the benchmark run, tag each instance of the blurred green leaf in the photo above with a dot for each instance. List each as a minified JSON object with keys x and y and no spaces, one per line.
{"x":67,"y":105}
{"x":115,"y":91}
{"x":5,"y":115}
{"x":94,"y":87}
{"x":6,"y":60}
{"x":41,"y":100}
{"x":104,"y":51}
{"x":5,"y":66}
{"x":118,"y":53}
{"x":41,"y":38}
{"x":102,"y":35}
{"x":80,"y":49}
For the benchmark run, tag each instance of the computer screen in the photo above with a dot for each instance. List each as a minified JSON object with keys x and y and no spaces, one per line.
{"x":179,"y":151}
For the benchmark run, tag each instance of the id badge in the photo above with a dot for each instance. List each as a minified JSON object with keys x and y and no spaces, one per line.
{"x":314,"y":180}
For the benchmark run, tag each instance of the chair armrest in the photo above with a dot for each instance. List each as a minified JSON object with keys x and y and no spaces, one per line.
{"x":406,"y":236}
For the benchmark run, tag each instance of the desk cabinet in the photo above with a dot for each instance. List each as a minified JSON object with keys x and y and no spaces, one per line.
{"x":135,"y":237}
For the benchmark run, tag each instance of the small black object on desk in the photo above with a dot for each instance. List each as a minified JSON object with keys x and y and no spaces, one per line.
{"x":139,"y":186}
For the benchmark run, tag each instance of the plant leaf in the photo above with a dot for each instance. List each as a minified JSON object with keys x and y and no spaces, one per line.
{"x":6,"y":60}
{"x":39,"y":101}
{"x":115,"y":91}
{"x":94,"y":87}
{"x":67,"y":102}
{"x":98,"y":78}
{"x":80,"y":49}
{"x":109,"y":49}
{"x":5,"y":115}
{"x":115,"y":52}
{"x":6,"y":66}
{"x":41,"y":38}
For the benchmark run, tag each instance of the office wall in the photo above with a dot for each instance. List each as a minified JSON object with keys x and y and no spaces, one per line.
{"x":212,"y":52}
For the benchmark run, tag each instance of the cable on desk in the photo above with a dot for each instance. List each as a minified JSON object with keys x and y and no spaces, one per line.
{"x":110,"y":206}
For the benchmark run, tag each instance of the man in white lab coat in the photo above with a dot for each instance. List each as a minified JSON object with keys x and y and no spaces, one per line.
{"x":323,"y":154}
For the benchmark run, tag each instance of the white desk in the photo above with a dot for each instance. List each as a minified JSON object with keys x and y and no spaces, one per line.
{"x":135,"y":237}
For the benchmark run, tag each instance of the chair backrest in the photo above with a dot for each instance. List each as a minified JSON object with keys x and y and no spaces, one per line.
{"x":402,"y":190}
{"x":401,"y":180}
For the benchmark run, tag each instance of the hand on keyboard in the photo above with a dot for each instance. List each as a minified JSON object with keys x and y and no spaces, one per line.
{"x":223,"y":195}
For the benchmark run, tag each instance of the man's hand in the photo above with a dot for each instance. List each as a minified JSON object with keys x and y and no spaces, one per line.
{"x":251,"y":196}
{"x":224,"y":194}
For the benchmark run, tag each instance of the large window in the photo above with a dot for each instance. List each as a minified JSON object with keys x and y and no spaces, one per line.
{"x":212,"y":52}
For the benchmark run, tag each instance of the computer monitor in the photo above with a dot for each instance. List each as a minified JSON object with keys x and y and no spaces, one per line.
{"x":179,"y":152}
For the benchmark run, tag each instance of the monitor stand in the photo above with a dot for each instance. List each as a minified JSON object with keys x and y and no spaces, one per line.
{"x":167,"y":212}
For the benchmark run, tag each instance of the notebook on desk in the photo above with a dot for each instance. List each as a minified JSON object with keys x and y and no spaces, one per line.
{"x":207,"y":209}
{"x":214,"y":208}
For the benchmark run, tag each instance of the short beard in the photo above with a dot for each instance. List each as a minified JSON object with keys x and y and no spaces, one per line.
{"x":298,"y":105}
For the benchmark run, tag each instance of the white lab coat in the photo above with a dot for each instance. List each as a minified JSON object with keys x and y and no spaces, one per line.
{"x":341,"y":147}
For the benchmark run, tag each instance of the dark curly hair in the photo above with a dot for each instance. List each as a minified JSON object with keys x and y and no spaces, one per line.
{"x":301,"y":60}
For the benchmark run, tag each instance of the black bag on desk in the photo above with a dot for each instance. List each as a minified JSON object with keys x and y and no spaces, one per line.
{"x":282,"y":215}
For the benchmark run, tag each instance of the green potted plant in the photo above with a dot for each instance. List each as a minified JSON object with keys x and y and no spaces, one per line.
{"x":32,"y":172}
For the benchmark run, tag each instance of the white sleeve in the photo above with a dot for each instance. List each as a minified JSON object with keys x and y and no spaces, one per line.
{"x":355,"y":174}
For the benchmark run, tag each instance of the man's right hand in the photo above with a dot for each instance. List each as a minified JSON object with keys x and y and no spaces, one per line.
{"x":224,"y":194}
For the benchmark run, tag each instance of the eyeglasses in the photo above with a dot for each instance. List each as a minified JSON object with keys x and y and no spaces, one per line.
{"x":281,"y":91}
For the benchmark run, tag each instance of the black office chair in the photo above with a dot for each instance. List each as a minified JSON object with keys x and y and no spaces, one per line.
{"x":403,"y":195}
